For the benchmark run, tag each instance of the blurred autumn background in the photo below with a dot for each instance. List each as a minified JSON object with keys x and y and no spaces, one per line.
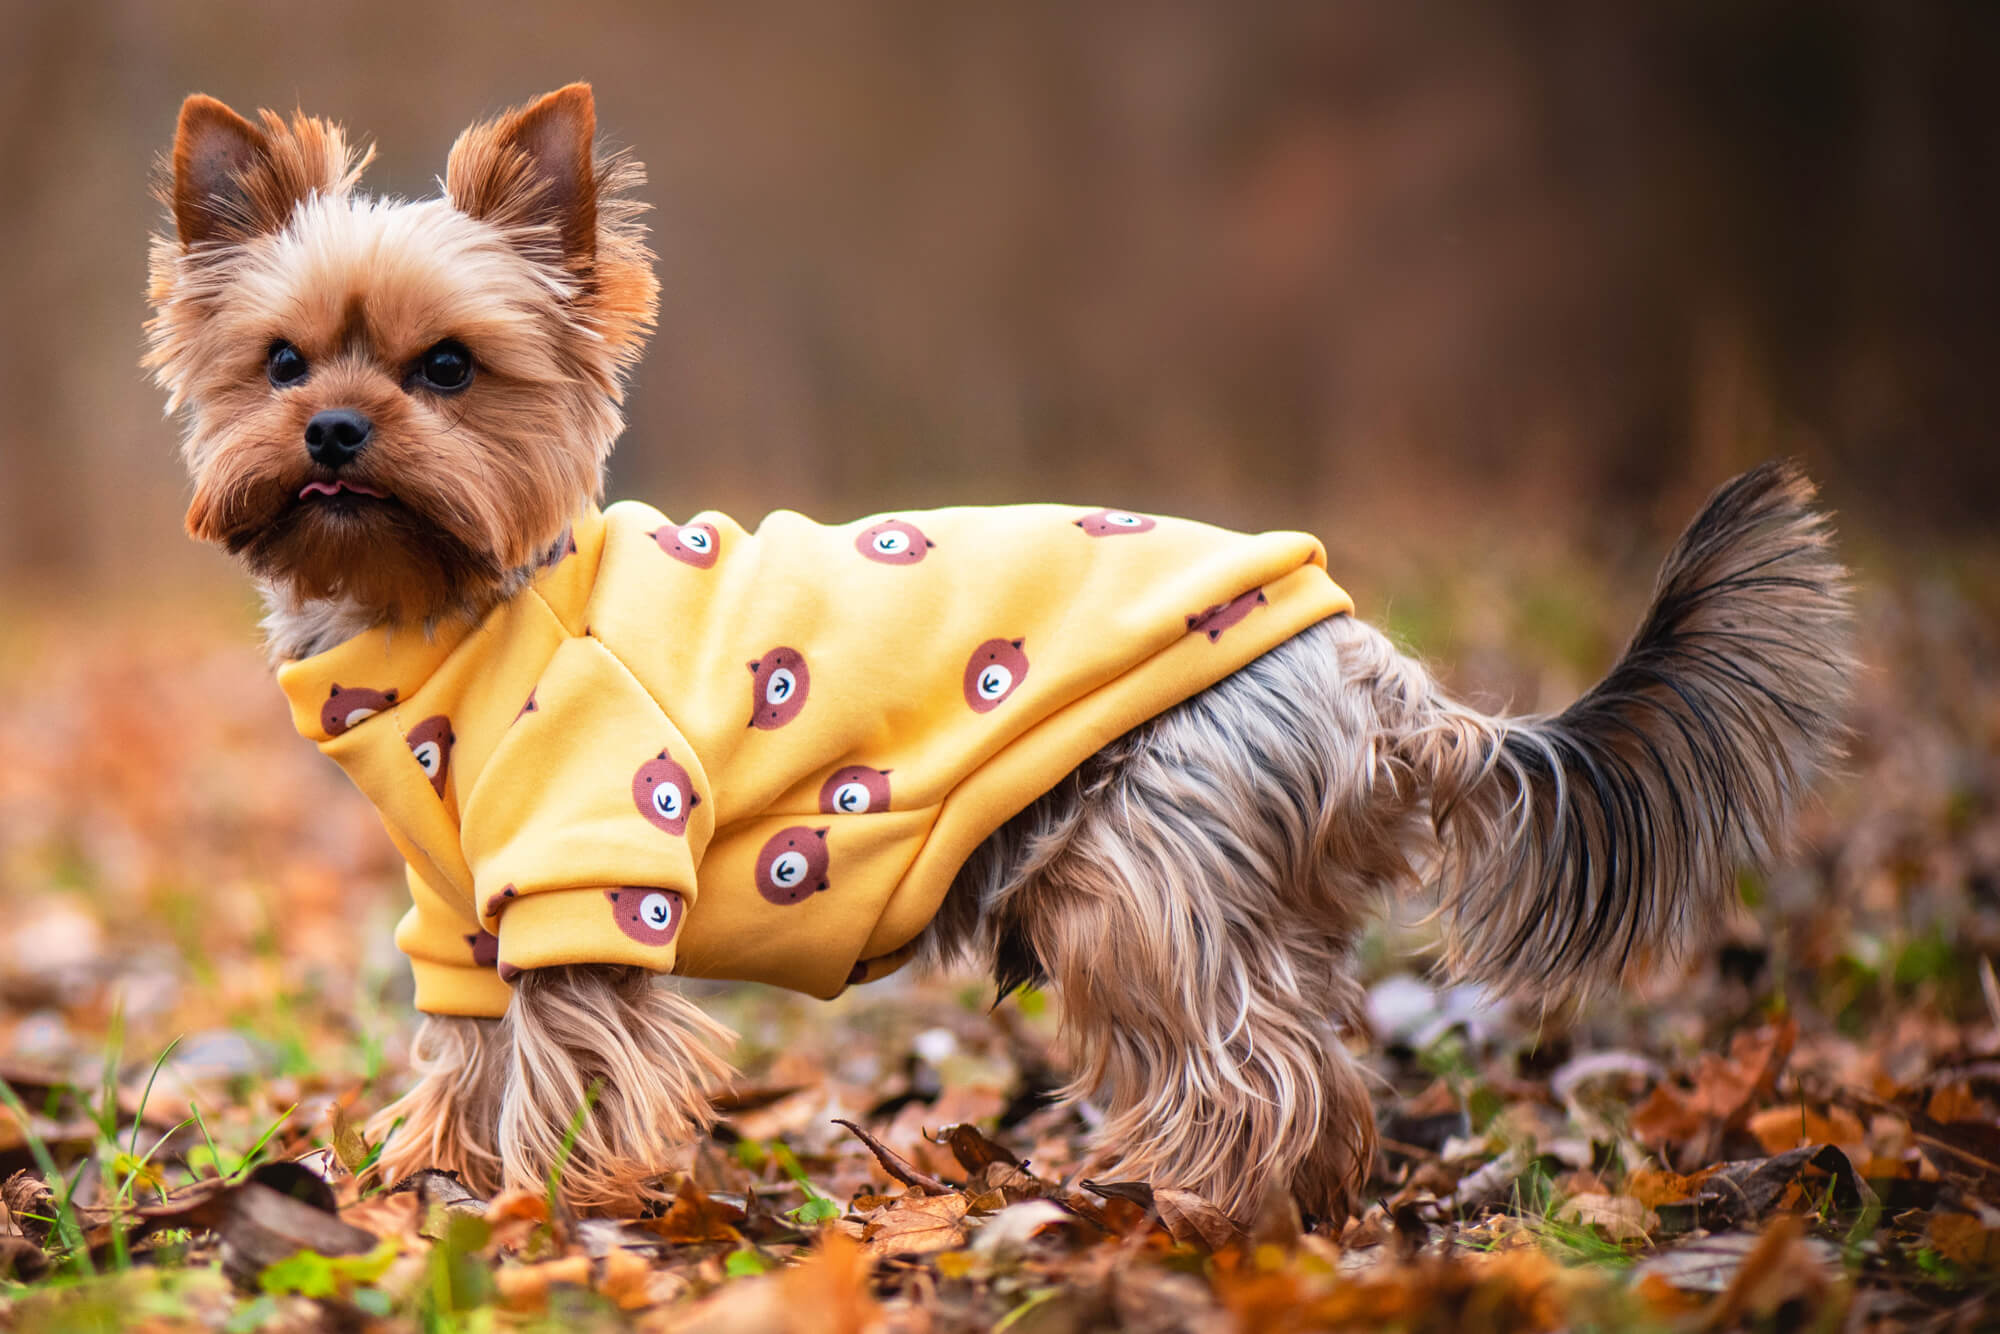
{"x":1488,"y":298}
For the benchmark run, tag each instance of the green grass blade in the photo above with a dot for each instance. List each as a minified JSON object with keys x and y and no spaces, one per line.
{"x":66,"y":1224}
{"x":264,"y":1139}
{"x":146,"y":1095}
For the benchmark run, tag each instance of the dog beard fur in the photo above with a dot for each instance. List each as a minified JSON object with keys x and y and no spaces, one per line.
{"x":1232,"y":846}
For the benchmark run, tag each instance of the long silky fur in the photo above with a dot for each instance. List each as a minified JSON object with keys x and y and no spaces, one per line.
{"x":1230,"y":848}
{"x":450,"y":1117}
{"x":1579,"y":845}
{"x":639,"y":1057}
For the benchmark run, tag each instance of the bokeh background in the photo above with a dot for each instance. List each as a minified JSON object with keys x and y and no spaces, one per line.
{"x":1489,"y":296}
{"x":1273,"y":263}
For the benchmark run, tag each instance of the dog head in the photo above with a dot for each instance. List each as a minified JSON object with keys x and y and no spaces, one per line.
{"x":396,"y":404}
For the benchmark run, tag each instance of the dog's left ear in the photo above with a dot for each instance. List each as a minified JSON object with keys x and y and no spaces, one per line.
{"x":533,"y":167}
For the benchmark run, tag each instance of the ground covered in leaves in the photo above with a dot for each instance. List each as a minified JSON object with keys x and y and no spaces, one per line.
{"x":1796,"y":1128}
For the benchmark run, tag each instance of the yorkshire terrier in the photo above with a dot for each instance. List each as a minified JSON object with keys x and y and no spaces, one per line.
{"x":398,"y":415}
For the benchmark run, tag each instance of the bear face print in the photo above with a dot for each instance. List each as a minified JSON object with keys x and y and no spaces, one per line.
{"x":430,"y":741}
{"x":778,"y":685}
{"x":1225,"y":614}
{"x":997,"y":667}
{"x":893,"y":542}
{"x":528,"y":708}
{"x":693,"y":544}
{"x":793,"y":865}
{"x":495,"y":903}
{"x":485,"y":949}
{"x":854,"y":790}
{"x":1110,"y":523}
{"x":345,"y":707}
{"x":664,"y":794}
{"x":649,"y":916}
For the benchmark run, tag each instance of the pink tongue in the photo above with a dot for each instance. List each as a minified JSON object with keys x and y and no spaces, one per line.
{"x":335,"y":488}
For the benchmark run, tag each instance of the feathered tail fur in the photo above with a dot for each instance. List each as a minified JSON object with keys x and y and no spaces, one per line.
{"x":1577,"y":845}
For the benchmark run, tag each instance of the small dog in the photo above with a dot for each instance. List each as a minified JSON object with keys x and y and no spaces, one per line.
{"x":398,"y":415}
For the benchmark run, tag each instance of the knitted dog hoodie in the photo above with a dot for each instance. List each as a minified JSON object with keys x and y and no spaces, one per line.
{"x":764,"y":756}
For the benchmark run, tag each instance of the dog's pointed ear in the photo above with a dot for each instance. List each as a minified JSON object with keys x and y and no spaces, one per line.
{"x":233,"y":180}
{"x":533,"y":167}
{"x":215,"y":152}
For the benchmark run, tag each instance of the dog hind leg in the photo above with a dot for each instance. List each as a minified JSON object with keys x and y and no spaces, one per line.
{"x":1192,"y":893}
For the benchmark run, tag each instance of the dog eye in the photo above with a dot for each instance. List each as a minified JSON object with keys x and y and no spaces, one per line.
{"x":446,"y":367}
{"x":284,"y":364}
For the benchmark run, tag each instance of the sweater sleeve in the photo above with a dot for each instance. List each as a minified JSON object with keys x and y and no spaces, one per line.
{"x":450,"y":954}
{"x":584,"y":830}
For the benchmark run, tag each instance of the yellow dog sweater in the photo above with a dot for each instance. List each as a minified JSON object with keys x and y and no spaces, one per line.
{"x":765,"y":755}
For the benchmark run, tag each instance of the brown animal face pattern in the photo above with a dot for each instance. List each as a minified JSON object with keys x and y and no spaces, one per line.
{"x":664,"y":794}
{"x":1225,"y":614}
{"x":430,"y":741}
{"x":485,"y":949}
{"x":793,"y":865}
{"x":854,"y":790}
{"x":347,"y":706}
{"x":1111,"y":523}
{"x":695,"y":544}
{"x":649,"y":916}
{"x":997,"y":667}
{"x":893,"y":542}
{"x":778,"y":686}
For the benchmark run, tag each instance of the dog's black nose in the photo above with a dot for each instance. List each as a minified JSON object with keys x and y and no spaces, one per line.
{"x":335,"y":436}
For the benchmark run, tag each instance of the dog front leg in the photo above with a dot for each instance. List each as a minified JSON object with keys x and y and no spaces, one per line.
{"x":450,"y":1118}
{"x":640,"y":1057}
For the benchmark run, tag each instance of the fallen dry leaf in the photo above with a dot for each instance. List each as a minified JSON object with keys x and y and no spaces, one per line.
{"x":1969,"y":1236}
{"x":1781,"y":1128}
{"x":974,"y":1151}
{"x":167,"y":846}
{"x":1193,"y":1221}
{"x":525,"y":1287}
{"x":917,"y":1225}
{"x":1619,"y":1217}
{"x":828,"y":1291}
{"x":1710,"y":1264}
{"x":695,"y":1217}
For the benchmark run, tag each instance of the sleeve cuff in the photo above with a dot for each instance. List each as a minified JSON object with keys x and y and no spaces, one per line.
{"x":476,"y":993}
{"x":630,"y":925}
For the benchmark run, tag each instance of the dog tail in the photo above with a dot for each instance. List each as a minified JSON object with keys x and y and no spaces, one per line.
{"x":1580,"y":845}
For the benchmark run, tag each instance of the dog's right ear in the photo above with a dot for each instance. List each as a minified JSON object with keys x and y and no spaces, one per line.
{"x":233,"y":180}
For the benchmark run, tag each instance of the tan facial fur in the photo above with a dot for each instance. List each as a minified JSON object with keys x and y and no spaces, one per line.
{"x":533,"y":261}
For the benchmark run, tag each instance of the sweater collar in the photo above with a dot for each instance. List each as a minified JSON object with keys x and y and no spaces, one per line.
{"x":372,"y":672}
